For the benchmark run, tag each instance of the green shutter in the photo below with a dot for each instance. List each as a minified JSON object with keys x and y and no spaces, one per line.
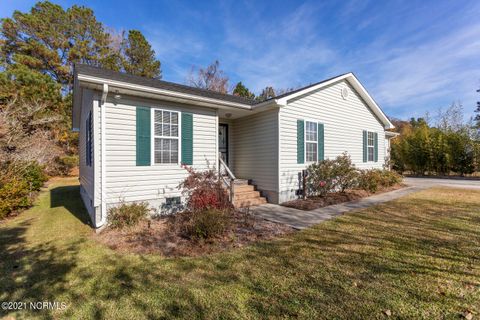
{"x":321,"y":142}
{"x":187,"y":138}
{"x":143,"y":136}
{"x":375,"y":136}
{"x":365,"y":153}
{"x":300,"y":141}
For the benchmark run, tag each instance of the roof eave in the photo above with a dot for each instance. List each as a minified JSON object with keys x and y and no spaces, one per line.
{"x":83,"y":78}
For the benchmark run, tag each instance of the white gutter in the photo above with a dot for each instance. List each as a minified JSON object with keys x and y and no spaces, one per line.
{"x":103,"y":216}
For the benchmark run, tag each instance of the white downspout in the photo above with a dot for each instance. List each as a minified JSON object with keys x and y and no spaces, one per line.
{"x":103,"y":216}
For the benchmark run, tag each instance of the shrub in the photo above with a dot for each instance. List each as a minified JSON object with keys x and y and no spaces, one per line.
{"x":205,"y":224}
{"x":14,"y":195}
{"x":369,"y":180}
{"x":372,"y":180}
{"x":127,"y":214}
{"x":331,"y":175}
{"x":18,"y":182}
{"x":390,"y":178}
{"x":204,"y":191}
{"x":321,"y":177}
{"x":65,"y":164}
{"x":33,"y":174}
{"x":344,"y":172}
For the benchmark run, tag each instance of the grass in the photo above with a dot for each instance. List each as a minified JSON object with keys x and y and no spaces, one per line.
{"x":418,"y":256}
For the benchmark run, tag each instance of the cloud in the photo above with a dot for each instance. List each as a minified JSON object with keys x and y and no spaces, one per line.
{"x":411,"y":57}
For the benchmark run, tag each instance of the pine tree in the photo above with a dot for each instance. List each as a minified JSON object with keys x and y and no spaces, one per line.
{"x":242,"y":91}
{"x":140,"y":57}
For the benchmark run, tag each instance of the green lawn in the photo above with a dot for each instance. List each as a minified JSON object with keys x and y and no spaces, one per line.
{"x":418,"y":257}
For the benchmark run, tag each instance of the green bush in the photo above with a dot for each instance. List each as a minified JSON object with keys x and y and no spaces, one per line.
{"x":345,"y":174}
{"x":331,"y":175}
{"x":65,"y":164}
{"x":18,"y":183}
{"x":369,"y":180}
{"x":321,"y":177}
{"x":127,"y":214}
{"x":205,"y":224}
{"x":374,"y":179}
{"x":389,"y":178}
{"x":35,"y":177}
{"x":14,"y":195}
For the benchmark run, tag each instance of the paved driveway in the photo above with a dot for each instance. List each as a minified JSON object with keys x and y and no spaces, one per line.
{"x":432,"y":182}
{"x":300,"y":219}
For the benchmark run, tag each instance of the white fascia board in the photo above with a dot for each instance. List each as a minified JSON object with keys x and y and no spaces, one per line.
{"x":369,"y":100}
{"x":350,"y":77}
{"x":135,"y":87}
{"x":390,"y":134}
{"x":283,"y":101}
{"x":77,"y":106}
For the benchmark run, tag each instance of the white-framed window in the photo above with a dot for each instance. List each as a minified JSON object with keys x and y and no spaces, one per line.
{"x":370,"y":146}
{"x":311,"y":141}
{"x":165,"y":136}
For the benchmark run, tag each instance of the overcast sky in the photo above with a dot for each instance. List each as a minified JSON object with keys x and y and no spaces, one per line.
{"x":412,"y":56}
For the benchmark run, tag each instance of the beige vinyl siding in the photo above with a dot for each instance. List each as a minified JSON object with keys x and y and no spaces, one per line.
{"x":344,"y":122}
{"x":255,"y":139}
{"x":128,"y":182}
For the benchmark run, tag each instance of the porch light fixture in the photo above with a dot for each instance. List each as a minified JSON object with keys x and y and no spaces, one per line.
{"x":228,"y":115}
{"x":117,"y":97}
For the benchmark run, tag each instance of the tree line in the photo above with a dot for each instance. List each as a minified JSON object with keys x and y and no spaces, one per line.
{"x":449,"y":146}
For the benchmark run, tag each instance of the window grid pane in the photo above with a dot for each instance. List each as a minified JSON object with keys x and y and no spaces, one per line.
{"x":370,"y":153}
{"x":311,"y":152}
{"x":166,"y":125}
{"x":370,"y":138}
{"x":311,"y":131}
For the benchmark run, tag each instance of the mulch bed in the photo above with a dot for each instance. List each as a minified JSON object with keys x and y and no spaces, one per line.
{"x":155,"y":236}
{"x":334,"y":198}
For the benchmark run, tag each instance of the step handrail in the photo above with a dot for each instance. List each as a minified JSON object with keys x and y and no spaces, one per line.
{"x":230,"y":184}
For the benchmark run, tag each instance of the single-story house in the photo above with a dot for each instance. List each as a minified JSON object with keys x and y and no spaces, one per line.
{"x":136,"y":133}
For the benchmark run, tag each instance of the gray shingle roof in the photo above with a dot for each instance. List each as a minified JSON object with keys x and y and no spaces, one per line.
{"x":154,"y":83}
{"x":171,"y":86}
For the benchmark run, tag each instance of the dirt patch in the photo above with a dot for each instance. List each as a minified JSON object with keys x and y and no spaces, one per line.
{"x":334,"y":198}
{"x":155,"y":237}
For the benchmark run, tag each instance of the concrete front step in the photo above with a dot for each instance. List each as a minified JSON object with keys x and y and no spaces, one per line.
{"x":243,"y":188}
{"x":249,"y":202}
{"x":246,"y":195}
{"x":241,"y":182}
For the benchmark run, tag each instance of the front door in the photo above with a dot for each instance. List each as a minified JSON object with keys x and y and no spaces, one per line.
{"x":223,"y":141}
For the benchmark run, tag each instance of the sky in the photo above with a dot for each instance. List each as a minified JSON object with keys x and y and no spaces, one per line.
{"x":412,"y":56}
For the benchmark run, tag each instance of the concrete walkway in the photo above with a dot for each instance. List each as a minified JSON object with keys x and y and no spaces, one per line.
{"x":300,"y":219}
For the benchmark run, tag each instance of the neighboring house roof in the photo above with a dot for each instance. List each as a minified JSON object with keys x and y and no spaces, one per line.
{"x":192,"y":93}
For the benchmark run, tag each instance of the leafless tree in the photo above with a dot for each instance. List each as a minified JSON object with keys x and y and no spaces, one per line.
{"x":209,"y":78}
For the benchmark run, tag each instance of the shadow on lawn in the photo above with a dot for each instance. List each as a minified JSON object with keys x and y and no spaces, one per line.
{"x":358,"y":265}
{"x":33,"y":273}
{"x":69,"y":198}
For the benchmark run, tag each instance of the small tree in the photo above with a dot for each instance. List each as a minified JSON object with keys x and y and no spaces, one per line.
{"x":242,"y":91}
